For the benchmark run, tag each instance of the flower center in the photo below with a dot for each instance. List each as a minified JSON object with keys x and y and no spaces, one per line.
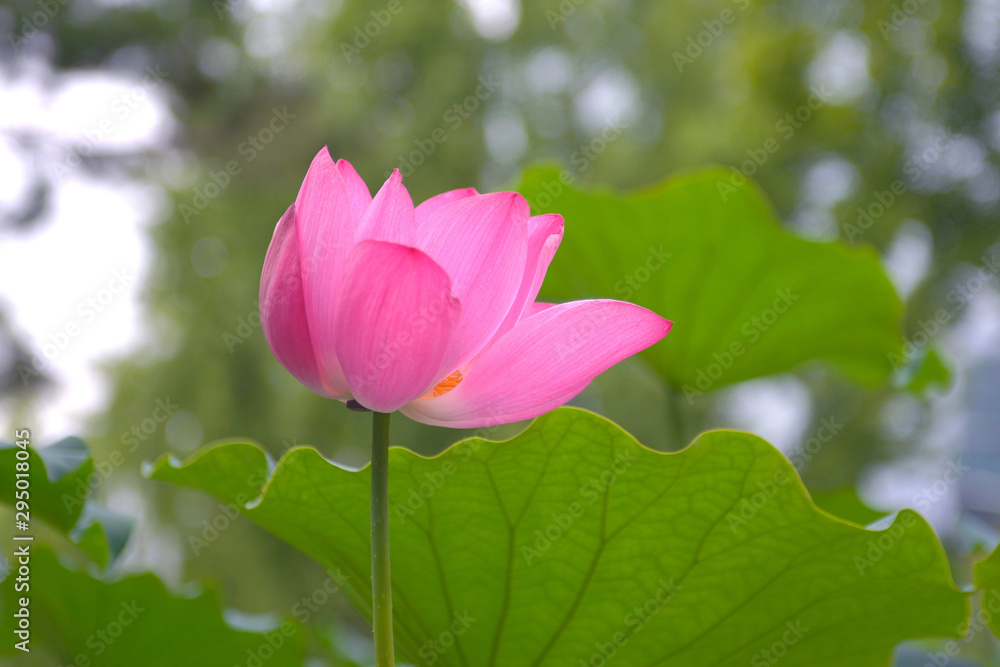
{"x":445,"y":385}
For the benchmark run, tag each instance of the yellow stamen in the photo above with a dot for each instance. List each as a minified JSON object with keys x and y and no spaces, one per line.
{"x":445,"y":385}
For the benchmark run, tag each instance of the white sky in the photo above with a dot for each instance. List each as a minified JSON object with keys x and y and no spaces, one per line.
{"x":93,"y":231}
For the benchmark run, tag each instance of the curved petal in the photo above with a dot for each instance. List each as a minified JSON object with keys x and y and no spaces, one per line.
{"x":397,"y":318}
{"x":325,"y":235}
{"x":535,"y":308}
{"x":543,"y":362}
{"x":545,"y":232}
{"x":481,"y":242}
{"x":357,"y":191}
{"x":424,"y":210}
{"x":283,"y":310}
{"x":390,"y":215}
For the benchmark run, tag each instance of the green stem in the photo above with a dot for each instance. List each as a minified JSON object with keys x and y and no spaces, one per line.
{"x":381,"y":586}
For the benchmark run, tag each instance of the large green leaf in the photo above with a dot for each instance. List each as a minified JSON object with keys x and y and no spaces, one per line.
{"x":60,"y":483}
{"x":748,"y":299}
{"x":987,"y":578}
{"x":58,"y":479}
{"x":79,"y":620}
{"x":572,"y":539}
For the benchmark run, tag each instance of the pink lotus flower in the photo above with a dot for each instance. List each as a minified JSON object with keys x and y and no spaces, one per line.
{"x":431,"y":310}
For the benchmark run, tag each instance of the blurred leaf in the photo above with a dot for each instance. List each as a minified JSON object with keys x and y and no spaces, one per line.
{"x":844,"y":503}
{"x":987,"y":578}
{"x":78,"y":619}
{"x":925,"y":371}
{"x":58,"y":495}
{"x":55,"y":481}
{"x":102,"y":534}
{"x":572,"y":539}
{"x":747,"y":298}
{"x":94,"y":542}
{"x":65,"y":457}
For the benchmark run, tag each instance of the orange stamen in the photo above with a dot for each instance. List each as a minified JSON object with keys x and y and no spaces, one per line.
{"x":445,"y":385}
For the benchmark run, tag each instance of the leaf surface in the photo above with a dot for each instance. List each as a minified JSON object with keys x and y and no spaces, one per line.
{"x":572,"y":540}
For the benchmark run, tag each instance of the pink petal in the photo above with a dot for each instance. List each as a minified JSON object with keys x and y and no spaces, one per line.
{"x":481,"y":242}
{"x":424,"y":210}
{"x":390,"y":215}
{"x":283,"y":309}
{"x":545,"y":232}
{"x":357,"y":191}
{"x":326,"y":235}
{"x":535,"y":308}
{"x":397,"y":318}
{"x":543,"y":362}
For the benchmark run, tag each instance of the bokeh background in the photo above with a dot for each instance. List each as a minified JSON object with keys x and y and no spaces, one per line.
{"x":147,"y":148}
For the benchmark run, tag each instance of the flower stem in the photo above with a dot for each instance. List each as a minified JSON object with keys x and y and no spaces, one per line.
{"x":381,"y":586}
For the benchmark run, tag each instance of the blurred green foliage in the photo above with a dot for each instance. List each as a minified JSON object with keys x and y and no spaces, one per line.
{"x":81,"y":620}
